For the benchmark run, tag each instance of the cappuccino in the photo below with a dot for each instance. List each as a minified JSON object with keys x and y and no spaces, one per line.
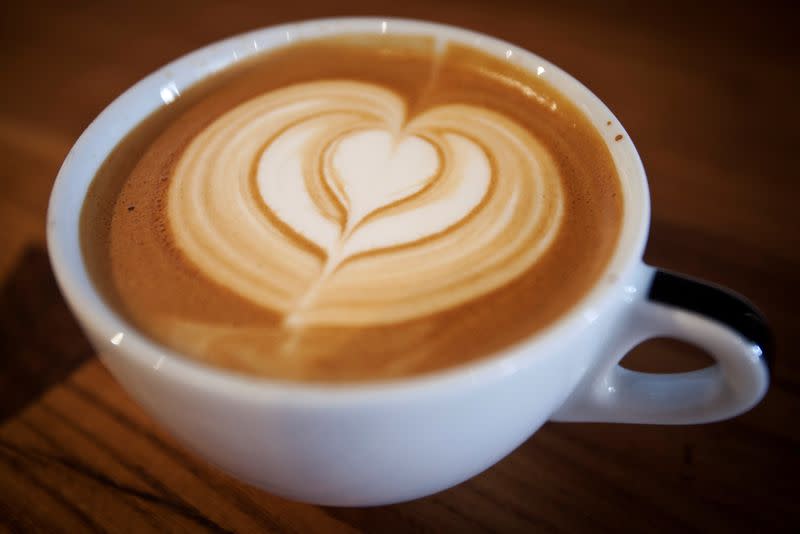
{"x":355,"y":208}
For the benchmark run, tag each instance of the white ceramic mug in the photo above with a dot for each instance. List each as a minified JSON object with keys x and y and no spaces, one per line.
{"x":370,"y":444}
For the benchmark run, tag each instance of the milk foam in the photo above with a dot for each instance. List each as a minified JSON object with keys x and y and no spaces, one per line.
{"x":324,"y":202}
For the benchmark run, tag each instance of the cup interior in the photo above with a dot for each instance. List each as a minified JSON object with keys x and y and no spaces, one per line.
{"x":111,"y":333}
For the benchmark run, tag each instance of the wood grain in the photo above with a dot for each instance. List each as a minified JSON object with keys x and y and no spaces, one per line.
{"x":707,"y":92}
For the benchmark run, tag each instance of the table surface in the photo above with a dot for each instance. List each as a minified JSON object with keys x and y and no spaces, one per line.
{"x":709,"y":96}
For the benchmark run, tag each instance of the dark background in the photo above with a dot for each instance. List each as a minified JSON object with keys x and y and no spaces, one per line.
{"x":708,"y":92}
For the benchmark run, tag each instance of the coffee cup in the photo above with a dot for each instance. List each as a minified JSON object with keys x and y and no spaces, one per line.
{"x":371,"y":443}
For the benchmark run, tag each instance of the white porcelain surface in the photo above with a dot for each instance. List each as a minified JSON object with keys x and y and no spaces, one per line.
{"x":388,"y":442}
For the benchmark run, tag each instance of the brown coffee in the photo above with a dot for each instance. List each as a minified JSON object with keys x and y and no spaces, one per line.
{"x":354,"y":208}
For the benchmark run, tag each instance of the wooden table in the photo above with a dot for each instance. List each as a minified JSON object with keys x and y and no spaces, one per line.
{"x":709,"y":96}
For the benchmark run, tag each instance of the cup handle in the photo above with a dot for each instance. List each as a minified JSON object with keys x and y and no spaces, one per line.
{"x":726,"y":325}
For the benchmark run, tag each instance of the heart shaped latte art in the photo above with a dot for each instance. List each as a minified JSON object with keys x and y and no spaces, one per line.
{"x":323,"y":202}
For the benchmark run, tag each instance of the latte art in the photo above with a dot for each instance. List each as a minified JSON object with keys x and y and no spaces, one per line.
{"x":327,"y":203}
{"x":354,"y":208}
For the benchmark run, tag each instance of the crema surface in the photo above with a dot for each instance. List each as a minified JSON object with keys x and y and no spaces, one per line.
{"x":357,"y":208}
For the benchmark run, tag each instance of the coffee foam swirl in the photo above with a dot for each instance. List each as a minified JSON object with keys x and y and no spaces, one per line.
{"x":327,"y":204}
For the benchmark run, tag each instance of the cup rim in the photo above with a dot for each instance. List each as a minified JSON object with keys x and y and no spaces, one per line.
{"x":103,"y":324}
